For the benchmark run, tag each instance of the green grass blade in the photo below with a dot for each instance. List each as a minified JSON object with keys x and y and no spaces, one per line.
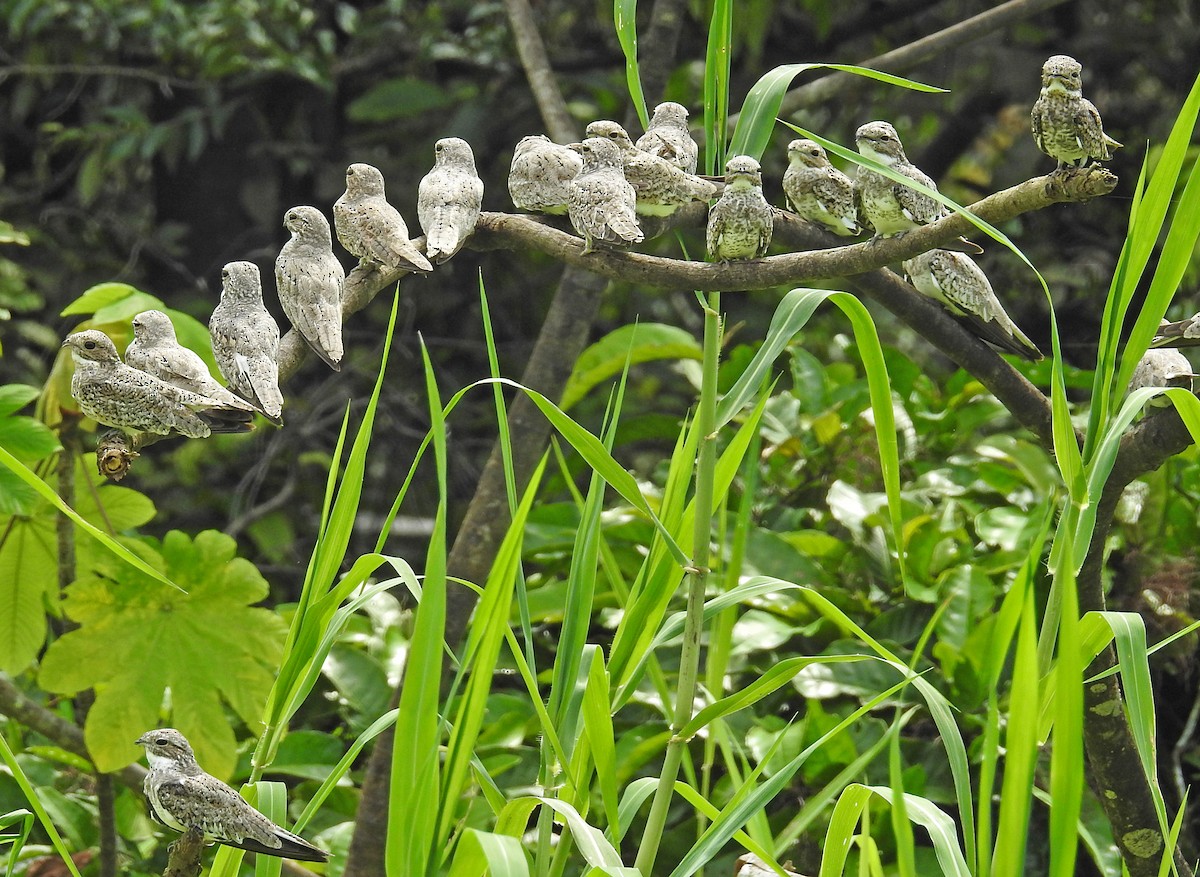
{"x":482,"y":852}
{"x":270,"y":799}
{"x":22,"y":781}
{"x":1066,"y":757}
{"x":625,"y":20}
{"x":717,"y":59}
{"x":342,"y":768}
{"x":17,"y":838}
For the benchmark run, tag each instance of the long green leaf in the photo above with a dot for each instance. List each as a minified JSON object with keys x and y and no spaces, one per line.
{"x":625,"y":19}
{"x":26,"y":787}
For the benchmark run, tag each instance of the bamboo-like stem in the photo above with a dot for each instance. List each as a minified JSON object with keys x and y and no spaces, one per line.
{"x":697,"y":580}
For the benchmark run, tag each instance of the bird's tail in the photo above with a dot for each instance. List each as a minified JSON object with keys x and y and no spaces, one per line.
{"x":227,"y":420}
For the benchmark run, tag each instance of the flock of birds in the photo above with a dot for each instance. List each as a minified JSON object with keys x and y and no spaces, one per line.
{"x":606,"y":185}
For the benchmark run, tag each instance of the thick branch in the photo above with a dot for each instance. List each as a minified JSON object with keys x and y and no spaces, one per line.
{"x":553,"y":108}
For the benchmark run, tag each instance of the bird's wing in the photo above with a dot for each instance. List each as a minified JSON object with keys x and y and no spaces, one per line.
{"x":1090,"y":130}
{"x":920,"y":207}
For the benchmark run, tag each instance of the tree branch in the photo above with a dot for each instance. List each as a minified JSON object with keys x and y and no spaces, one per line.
{"x":560,"y":124}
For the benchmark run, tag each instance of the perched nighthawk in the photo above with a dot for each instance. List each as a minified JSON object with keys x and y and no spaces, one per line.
{"x":115,"y":394}
{"x":667,"y":136}
{"x":1066,"y":125}
{"x":245,"y":338}
{"x":601,"y":200}
{"x":371,"y":228}
{"x":156,"y":351}
{"x":958,"y":283}
{"x":1164,"y":367}
{"x":661,"y":187}
{"x":1185,"y":333}
{"x":890,"y":207}
{"x":185,"y":798}
{"x":310,"y":281}
{"x":539,"y":178}
{"x":449,"y":198}
{"x":817,"y":191}
{"x":740,"y":223}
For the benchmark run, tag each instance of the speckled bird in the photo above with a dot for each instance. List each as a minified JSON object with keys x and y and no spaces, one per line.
{"x":116,"y":394}
{"x":371,"y":228}
{"x":183,"y":797}
{"x":311,"y":281}
{"x":449,"y":199}
{"x":539,"y":178}
{"x":817,"y":191}
{"x":891,"y":207}
{"x":1066,"y":125}
{"x":661,"y":187}
{"x":961,"y":286}
{"x":602,"y":202}
{"x":156,"y":350}
{"x":667,"y":136}
{"x":245,"y":338}
{"x":1184,"y":333}
{"x":1164,"y":367}
{"x":740,"y":223}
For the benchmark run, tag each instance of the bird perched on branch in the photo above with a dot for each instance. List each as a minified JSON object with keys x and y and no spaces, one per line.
{"x":741,"y":222}
{"x":661,"y":187}
{"x":310,"y":281}
{"x":667,"y":136}
{"x":817,"y":191}
{"x":539,"y":178}
{"x":371,"y":228}
{"x":185,"y":798}
{"x":245,"y":338}
{"x":156,"y":350}
{"x":1185,"y":333}
{"x":958,"y":283}
{"x":602,"y":202}
{"x":1165,"y":367}
{"x":449,"y":199}
{"x":116,"y":394}
{"x":1066,"y":125}
{"x":890,"y":207}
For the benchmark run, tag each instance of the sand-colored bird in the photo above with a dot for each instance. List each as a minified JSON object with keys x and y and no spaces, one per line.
{"x":1165,"y":367}
{"x":602,"y":203}
{"x":1066,"y":125}
{"x":667,"y":136}
{"x":449,"y":199}
{"x":817,"y":191}
{"x":741,"y":222}
{"x":539,"y":178}
{"x":245,"y":338}
{"x":661,"y":187}
{"x":371,"y":228}
{"x":310,"y":281}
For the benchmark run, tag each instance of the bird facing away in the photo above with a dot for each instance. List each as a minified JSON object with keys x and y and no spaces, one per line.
{"x":539,"y":178}
{"x":156,"y":351}
{"x":184,"y":797}
{"x":661,"y":187}
{"x":1166,"y":367}
{"x":310,"y":281}
{"x":602,"y":203}
{"x":817,"y":191}
{"x":115,"y":394}
{"x":958,"y":283}
{"x":1066,"y":125}
{"x":245,"y":338}
{"x":667,"y":136}
{"x":371,"y":228}
{"x":449,"y":199}
{"x":740,"y":223}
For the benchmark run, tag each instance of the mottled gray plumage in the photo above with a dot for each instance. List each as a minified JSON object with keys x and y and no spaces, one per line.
{"x":310,"y":281}
{"x":1162,"y":368}
{"x":740,"y":223}
{"x":539,"y":178}
{"x":156,"y":350}
{"x":889,"y":206}
{"x":958,"y":283}
{"x":817,"y":191}
{"x":667,"y":136}
{"x":245,"y":338}
{"x":371,"y":228}
{"x":116,"y":394}
{"x":449,"y":199}
{"x":660,"y":186}
{"x":1066,"y":125}
{"x":183,"y":797}
{"x":1185,"y":333}
{"x":601,"y":202}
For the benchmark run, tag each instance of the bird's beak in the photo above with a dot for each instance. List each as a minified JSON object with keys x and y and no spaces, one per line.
{"x":575,"y":146}
{"x":64,"y":344}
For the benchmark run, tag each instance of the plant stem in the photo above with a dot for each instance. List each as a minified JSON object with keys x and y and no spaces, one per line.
{"x":697,"y":579}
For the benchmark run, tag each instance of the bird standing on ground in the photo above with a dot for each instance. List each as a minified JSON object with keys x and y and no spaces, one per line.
{"x":539,"y":178}
{"x":740,"y":223}
{"x":1164,"y":367}
{"x":602,"y":202}
{"x":958,"y":283}
{"x":371,"y":228}
{"x":661,"y":187}
{"x":185,"y":798}
{"x":817,"y":191}
{"x":1066,"y":125}
{"x":116,"y":394}
{"x":310,"y":281}
{"x":245,"y":338}
{"x":449,"y":199}
{"x":667,"y":136}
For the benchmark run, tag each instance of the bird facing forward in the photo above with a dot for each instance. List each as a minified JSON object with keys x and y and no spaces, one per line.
{"x":1066,"y":125}
{"x":185,"y":798}
{"x":741,"y":222}
{"x":817,"y":191}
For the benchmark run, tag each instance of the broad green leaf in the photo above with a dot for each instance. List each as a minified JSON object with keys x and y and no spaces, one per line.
{"x":397,"y":99}
{"x":27,"y":439}
{"x":14,"y":397}
{"x":137,"y":639}
{"x":99,"y":296}
{"x":642,"y":342}
{"x":9,"y":760}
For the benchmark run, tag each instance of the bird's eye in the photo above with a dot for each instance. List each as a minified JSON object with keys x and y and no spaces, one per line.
{"x":161,"y":741}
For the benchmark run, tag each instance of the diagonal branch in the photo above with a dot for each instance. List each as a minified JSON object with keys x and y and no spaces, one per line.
{"x":560,"y":125}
